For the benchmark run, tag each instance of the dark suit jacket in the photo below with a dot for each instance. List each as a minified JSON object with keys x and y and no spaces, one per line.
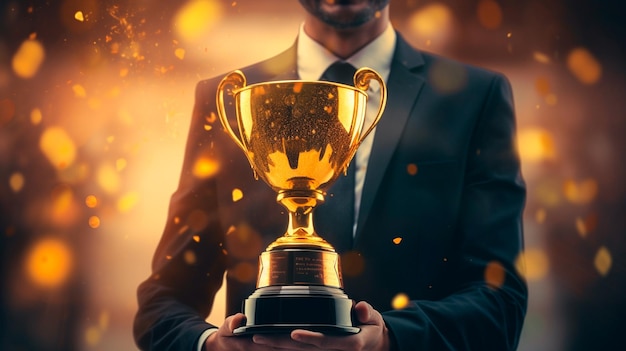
{"x":443,"y":176}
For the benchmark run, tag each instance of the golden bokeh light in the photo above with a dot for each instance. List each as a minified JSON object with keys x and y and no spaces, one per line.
{"x":94,"y":222}
{"x":494,"y":274}
{"x":108,"y":178}
{"x":28,"y":58}
{"x":400,"y":301}
{"x":79,"y":91}
{"x":584,"y":66}
{"x":603,"y":261}
{"x":489,"y":14}
{"x":412,"y":169}
{"x":49,"y":263}
{"x":36,"y":116}
{"x":434,"y":22}
{"x":127,"y":202}
{"x":179,"y":53}
{"x":533,"y":264}
{"x":58,"y":147}
{"x":535,"y":144}
{"x":91,"y":201}
{"x":196,"y":18}
{"x":64,"y":209}
{"x":580,"y":192}
{"x":16,"y":182}
{"x":205,"y":167}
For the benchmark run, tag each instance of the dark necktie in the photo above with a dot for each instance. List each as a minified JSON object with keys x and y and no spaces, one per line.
{"x":334,"y":219}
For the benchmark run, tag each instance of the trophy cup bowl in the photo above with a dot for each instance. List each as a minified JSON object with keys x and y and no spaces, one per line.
{"x":299,"y":137}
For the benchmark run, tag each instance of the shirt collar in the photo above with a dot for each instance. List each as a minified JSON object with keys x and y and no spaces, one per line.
{"x":313,"y":58}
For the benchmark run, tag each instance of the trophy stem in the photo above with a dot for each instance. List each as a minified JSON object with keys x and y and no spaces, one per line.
{"x":300,"y":231}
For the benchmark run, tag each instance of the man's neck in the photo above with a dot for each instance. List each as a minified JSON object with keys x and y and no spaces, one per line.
{"x":344,"y":43}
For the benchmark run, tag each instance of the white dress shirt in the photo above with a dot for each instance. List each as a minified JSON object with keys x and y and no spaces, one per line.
{"x":312,"y":61}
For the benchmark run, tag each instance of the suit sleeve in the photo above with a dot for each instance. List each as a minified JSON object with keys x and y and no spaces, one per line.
{"x":188,"y":264}
{"x":487,"y":307}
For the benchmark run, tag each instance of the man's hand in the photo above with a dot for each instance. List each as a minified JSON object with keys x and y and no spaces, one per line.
{"x":224,"y":339}
{"x":372,"y":337}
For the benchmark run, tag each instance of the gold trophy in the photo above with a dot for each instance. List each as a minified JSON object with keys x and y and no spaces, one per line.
{"x":299,"y":136}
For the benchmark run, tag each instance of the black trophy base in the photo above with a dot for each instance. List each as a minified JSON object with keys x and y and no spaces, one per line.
{"x":282,"y":309}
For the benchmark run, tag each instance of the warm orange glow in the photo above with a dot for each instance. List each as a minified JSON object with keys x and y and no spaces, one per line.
{"x":91,"y":201}
{"x":532,"y":264}
{"x":94,"y":222}
{"x":580,"y":192}
{"x":108,"y":178}
{"x":63,"y":209}
{"x":489,"y":14}
{"x":584,"y":66}
{"x":7,"y":111}
{"x":49,"y":262}
{"x":400,"y":301}
{"x":58,"y":147}
{"x":28,"y":58}
{"x":16,"y":182}
{"x":535,"y":144}
{"x":494,"y":274}
{"x":397,"y":240}
{"x":36,"y":116}
{"x":411,"y":169}
{"x":79,"y":91}
{"x":196,"y":18}
{"x":433,"y":21}
{"x":127,"y":202}
{"x":603,"y":261}
{"x":205,"y":167}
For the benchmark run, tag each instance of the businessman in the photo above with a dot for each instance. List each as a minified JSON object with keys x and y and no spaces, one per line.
{"x":437,"y":216}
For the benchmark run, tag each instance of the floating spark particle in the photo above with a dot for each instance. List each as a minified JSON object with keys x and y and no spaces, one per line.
{"x":400,"y":301}
{"x":196,"y":238}
{"x":397,"y":240}
{"x":49,"y":262}
{"x":79,"y":16}
{"x":190,"y":257}
{"x":16,"y":182}
{"x":237,"y":195}
{"x":28,"y":58}
{"x":411,"y":169}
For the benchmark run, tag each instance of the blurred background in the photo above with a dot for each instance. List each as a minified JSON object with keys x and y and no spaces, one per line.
{"x":95,"y":104}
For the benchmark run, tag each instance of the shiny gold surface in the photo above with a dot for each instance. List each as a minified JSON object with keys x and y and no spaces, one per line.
{"x":299,"y":267}
{"x":299,"y":136}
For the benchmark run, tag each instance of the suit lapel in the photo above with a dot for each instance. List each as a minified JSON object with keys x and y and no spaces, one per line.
{"x":403,"y":88}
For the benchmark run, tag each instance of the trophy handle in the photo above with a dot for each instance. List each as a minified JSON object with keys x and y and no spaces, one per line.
{"x":237,"y":80}
{"x":362,"y":79}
